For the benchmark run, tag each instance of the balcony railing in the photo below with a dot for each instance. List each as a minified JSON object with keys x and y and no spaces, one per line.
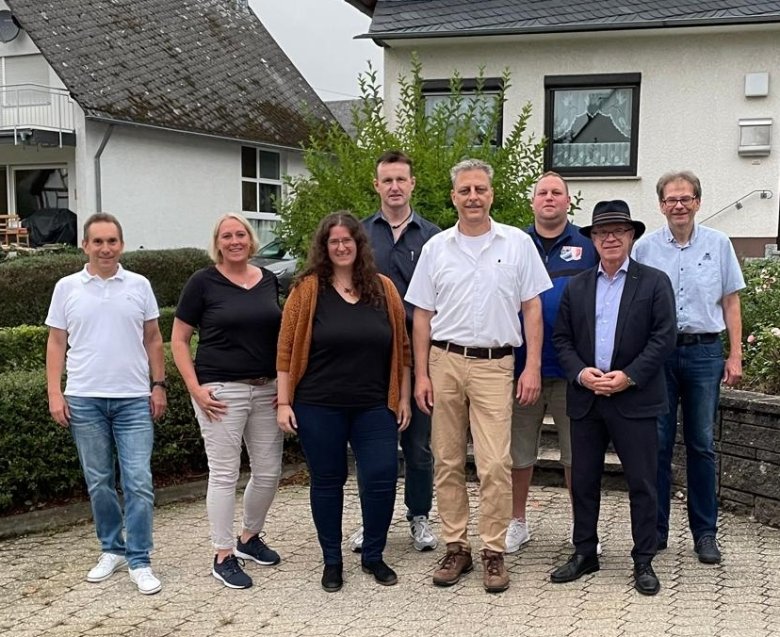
{"x":32,"y":106}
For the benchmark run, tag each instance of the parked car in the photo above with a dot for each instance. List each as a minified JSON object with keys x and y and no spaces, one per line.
{"x":275,"y":257}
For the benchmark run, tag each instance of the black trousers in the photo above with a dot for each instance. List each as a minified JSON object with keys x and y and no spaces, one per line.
{"x":636,"y":443}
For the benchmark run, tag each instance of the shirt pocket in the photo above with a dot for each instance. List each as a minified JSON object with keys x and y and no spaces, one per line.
{"x":504,"y":276}
{"x":708,"y":276}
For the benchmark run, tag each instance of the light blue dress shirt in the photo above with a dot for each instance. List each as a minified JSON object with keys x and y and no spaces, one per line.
{"x":702,"y":272}
{"x":608,"y":294}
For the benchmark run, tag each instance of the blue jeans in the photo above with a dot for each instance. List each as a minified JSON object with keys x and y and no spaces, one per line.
{"x":373,"y":435}
{"x":99,"y":425}
{"x":418,"y":464}
{"x":693,"y":377}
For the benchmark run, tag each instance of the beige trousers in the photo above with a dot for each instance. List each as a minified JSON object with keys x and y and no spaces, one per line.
{"x":472,"y":394}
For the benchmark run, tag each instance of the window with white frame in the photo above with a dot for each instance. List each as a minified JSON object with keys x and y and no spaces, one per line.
{"x":592,"y":124}
{"x":261,"y":189}
{"x":480,"y":107}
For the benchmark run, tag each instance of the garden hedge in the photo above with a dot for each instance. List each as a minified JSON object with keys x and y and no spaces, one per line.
{"x":26,"y":283}
{"x":38,"y":461}
{"x":24,"y":346}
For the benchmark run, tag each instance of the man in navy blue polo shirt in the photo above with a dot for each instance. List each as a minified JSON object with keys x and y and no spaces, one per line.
{"x":565,"y":252}
{"x":397,"y":234}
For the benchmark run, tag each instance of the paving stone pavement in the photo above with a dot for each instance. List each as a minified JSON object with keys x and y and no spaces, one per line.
{"x":43,"y":590}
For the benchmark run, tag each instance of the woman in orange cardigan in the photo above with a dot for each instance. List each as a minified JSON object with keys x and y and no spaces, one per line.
{"x":343,"y":366}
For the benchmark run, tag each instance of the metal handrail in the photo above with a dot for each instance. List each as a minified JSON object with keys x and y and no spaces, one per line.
{"x":764,"y":192}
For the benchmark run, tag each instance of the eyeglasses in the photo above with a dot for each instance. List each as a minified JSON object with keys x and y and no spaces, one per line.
{"x":335,"y":243}
{"x":686,"y":201}
{"x":602,"y":235}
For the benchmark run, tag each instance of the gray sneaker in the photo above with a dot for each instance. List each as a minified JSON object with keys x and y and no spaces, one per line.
{"x":421,"y":533}
{"x":355,"y":541}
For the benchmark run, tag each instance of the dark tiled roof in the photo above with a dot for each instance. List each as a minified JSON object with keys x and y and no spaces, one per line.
{"x":203,"y":66}
{"x":436,"y":18}
{"x":342,"y":111}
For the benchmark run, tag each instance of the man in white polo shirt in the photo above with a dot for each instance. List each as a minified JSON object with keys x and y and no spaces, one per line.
{"x":469,"y":284}
{"x":106,"y":319}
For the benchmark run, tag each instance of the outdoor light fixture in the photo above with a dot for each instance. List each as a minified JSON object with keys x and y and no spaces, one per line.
{"x":755,"y":137}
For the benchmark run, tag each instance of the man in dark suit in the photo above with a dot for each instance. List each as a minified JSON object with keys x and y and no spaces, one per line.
{"x":615,"y":328}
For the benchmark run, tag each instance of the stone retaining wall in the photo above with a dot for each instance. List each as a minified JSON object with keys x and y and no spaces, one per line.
{"x":747,"y":443}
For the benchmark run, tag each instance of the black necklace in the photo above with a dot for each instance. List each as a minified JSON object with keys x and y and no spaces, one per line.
{"x":398,"y":225}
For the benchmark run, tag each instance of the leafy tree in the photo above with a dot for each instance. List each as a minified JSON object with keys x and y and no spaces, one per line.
{"x":342,"y":167}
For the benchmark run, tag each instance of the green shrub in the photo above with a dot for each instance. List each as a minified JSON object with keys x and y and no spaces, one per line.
{"x":38,"y":460}
{"x":167,"y":314}
{"x":761,"y":326}
{"x":26,"y":284}
{"x":167,"y":270}
{"x":23,"y":347}
{"x":342,"y":167}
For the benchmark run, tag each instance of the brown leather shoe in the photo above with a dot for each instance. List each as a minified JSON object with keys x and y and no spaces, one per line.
{"x":496,"y":575}
{"x":456,"y":562}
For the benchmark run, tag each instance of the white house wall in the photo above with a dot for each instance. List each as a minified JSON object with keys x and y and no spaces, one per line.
{"x":691,"y":98}
{"x":166,"y":188}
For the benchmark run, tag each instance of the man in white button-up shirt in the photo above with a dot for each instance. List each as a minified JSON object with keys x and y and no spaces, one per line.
{"x":470,"y":282}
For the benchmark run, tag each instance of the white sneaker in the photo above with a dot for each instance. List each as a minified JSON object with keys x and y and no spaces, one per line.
{"x":517,"y":534}
{"x":107,"y":565}
{"x":355,"y":541}
{"x":145,"y":580}
{"x":420,"y":531}
{"x":571,"y":540}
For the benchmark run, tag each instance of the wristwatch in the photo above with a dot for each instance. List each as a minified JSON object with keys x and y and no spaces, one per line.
{"x":630,"y":382}
{"x":159,"y":383}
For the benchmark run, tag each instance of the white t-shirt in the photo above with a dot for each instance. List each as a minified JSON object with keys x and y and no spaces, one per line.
{"x":104,"y":320}
{"x":476,"y":298}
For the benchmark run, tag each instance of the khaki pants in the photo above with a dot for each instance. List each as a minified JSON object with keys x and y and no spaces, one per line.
{"x":472,"y":394}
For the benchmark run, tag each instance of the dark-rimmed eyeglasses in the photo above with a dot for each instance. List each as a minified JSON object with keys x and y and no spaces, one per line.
{"x":602,"y":235}
{"x":686,"y":201}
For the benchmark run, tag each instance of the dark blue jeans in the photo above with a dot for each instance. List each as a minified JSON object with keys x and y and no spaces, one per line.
{"x":418,"y":464}
{"x":373,"y":435}
{"x":693,"y":377}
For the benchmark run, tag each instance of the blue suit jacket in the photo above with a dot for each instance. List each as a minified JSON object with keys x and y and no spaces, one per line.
{"x":645,"y":335}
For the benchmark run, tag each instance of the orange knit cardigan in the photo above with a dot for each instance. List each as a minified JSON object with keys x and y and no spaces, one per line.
{"x":295,"y":335}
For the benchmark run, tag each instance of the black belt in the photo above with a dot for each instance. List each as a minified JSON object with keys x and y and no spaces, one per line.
{"x":257,"y":382}
{"x":695,"y":339}
{"x":474,"y":352}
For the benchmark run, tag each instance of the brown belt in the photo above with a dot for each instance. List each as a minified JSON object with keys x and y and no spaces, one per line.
{"x":257,"y":382}
{"x":474,"y":352}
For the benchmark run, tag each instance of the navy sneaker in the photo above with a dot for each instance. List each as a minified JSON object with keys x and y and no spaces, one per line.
{"x":230,"y":573}
{"x":257,"y":551}
{"x":708,"y":550}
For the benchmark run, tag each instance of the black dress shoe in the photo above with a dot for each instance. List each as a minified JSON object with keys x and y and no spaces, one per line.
{"x":645,"y":579}
{"x":333,"y":577}
{"x":577,"y":566}
{"x":382,"y":572}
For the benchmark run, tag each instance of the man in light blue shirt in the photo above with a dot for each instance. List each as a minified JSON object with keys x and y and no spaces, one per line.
{"x":706,"y":279}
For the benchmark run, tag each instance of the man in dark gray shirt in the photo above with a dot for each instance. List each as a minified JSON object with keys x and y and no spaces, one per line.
{"x":397,"y":235}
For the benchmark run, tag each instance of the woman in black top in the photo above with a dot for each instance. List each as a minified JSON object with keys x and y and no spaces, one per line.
{"x":235,"y":308}
{"x":344,"y":368}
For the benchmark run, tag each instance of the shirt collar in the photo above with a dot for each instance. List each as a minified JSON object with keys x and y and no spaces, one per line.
{"x":495,"y":230}
{"x":623,"y":268}
{"x":379,"y":217}
{"x":86,"y":277}
{"x":669,"y":237}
